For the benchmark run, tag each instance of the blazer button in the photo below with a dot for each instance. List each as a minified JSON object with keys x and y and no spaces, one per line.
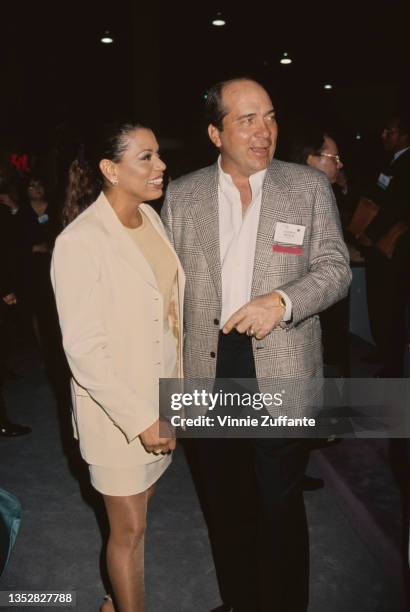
{"x":216,"y":321}
{"x":213,"y":355}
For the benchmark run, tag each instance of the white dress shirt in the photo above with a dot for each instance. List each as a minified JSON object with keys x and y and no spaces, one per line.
{"x":237,"y":241}
{"x":397,"y":155}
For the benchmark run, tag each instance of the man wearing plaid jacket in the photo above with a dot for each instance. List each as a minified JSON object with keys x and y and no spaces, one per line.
{"x":261,"y":246}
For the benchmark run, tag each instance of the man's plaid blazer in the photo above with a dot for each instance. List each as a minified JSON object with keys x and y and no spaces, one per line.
{"x":313,"y":280}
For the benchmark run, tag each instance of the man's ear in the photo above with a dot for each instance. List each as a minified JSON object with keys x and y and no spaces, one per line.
{"x":311,"y":160}
{"x":213,"y":134}
{"x":404,"y":140}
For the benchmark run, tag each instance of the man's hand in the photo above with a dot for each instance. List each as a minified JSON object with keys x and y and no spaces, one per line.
{"x":258,"y":317}
{"x":10,"y":299}
{"x":8,"y":201}
{"x":152,"y":441}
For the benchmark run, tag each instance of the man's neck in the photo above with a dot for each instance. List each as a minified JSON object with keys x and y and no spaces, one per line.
{"x":38,"y":203}
{"x":244,"y":187}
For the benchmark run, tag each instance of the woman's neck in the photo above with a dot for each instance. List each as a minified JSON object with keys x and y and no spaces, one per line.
{"x":126,"y":209}
{"x":38,"y":204}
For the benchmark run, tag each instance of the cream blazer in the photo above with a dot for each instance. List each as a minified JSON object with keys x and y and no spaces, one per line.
{"x":111,"y":318}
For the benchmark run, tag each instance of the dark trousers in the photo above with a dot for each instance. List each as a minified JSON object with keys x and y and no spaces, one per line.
{"x":253,"y":505}
{"x":387,"y":300}
{"x":334,"y":322}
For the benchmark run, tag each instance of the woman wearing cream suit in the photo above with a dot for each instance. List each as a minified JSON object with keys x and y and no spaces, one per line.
{"x":119,"y":292}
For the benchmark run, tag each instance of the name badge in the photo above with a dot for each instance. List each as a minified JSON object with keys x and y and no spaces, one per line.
{"x":289,"y":233}
{"x":384,"y":181}
{"x":43,"y":219}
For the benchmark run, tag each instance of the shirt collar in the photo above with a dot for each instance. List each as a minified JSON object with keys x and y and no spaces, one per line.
{"x":255,"y":180}
{"x":396,"y":155}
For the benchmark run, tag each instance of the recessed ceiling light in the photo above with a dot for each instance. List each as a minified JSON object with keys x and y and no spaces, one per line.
{"x":107,"y":39}
{"x":219,"y":21}
{"x":285,"y":59}
{"x":328,"y":86}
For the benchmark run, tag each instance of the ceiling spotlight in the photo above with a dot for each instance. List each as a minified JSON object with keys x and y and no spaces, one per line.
{"x":107,"y":39}
{"x":328,"y":86}
{"x":358,"y":136}
{"x":285,"y":59}
{"x":219,"y":21}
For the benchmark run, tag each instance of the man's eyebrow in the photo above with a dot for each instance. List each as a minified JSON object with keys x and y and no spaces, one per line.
{"x":248,"y":115}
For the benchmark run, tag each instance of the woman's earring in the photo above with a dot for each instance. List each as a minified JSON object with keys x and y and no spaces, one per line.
{"x":114,"y":181}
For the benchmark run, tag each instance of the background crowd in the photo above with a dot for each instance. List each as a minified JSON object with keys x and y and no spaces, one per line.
{"x":374,"y":207}
{"x":374,"y":214}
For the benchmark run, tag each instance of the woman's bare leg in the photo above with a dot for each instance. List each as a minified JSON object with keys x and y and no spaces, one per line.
{"x":108,"y":605}
{"x":125,"y":550}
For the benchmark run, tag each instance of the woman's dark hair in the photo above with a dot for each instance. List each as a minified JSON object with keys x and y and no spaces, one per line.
{"x":85,"y":179}
{"x":81,"y":190}
{"x":305,"y":140}
{"x":214,"y":109}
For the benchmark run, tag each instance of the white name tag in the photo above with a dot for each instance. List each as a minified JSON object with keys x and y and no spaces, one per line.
{"x":289,"y":233}
{"x":383,"y":181}
{"x":42,"y":219}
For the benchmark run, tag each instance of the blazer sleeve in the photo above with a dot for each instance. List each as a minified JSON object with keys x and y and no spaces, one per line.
{"x":329,"y":275}
{"x":75,"y":273}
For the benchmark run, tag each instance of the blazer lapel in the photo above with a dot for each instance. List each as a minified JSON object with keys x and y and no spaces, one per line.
{"x":204,"y":212}
{"x":275,"y":202}
{"x":121,"y":242}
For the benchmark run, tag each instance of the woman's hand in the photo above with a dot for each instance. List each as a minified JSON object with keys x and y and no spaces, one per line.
{"x":152,"y":441}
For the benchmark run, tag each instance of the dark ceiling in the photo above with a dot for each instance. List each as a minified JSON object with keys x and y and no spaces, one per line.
{"x":56,"y":73}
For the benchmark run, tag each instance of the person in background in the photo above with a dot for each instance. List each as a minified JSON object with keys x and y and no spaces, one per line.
{"x":38,"y":231}
{"x":8,"y":299}
{"x":312,"y":146}
{"x":386,"y":246}
{"x":11,"y":201}
{"x":119,"y":290}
